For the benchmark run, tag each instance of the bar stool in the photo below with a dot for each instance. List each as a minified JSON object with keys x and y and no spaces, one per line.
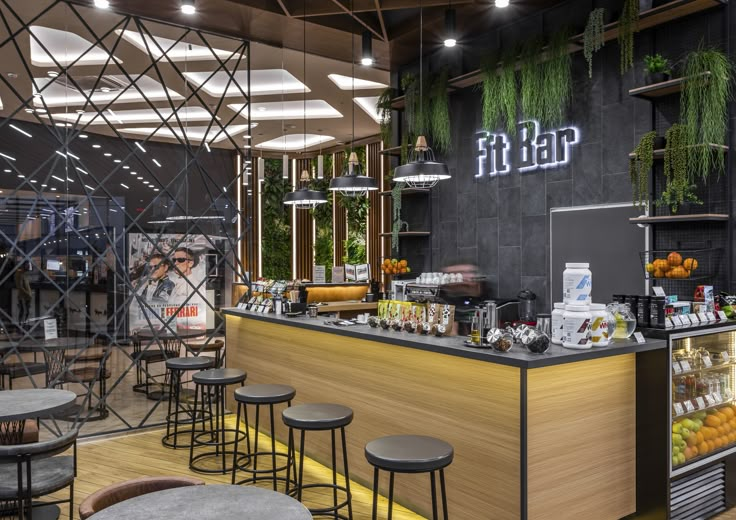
{"x":320,"y":417}
{"x":210,"y":386}
{"x":261,"y":395}
{"x":176,"y":367}
{"x":409,"y":454}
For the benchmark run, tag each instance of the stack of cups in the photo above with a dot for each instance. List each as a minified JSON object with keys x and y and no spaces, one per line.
{"x":576,"y":318}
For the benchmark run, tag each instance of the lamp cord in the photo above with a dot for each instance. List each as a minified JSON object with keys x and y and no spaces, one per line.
{"x":304,"y":90}
{"x":421,"y":64}
{"x":352,"y":56}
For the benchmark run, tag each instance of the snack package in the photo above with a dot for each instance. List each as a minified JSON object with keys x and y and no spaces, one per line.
{"x":405,"y":311}
{"x":432,"y":316}
{"x":382,"y":309}
{"x":394,"y":310}
{"x":727,"y":303}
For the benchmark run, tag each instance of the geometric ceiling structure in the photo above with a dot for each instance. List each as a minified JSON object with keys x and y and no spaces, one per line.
{"x":158,"y":46}
{"x":262,"y":82}
{"x":348,"y":83}
{"x":114,"y":207}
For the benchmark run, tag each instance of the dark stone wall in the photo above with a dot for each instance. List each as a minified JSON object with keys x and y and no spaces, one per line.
{"x":501,"y":223}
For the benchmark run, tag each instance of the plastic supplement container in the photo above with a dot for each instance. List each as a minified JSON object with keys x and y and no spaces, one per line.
{"x":576,"y":322}
{"x":558,"y":330}
{"x":577,"y":281}
{"x":599,"y":325}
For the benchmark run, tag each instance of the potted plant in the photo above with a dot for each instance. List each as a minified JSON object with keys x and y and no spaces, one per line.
{"x":657,"y":68}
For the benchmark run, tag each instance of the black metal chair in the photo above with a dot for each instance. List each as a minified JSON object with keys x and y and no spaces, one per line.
{"x":29,"y":471}
{"x":154,"y":351}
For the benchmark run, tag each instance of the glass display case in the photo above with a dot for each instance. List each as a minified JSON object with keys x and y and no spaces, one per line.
{"x":703,"y":411}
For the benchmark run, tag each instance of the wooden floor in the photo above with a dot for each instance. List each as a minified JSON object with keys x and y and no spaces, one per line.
{"x":104,"y":462}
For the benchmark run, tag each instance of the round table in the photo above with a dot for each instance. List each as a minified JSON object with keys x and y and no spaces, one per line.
{"x":210,"y":502}
{"x":167,"y":334}
{"x":40,"y":345}
{"x":19,"y":405}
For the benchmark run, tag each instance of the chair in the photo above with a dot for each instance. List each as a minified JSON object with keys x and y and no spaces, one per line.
{"x":111,"y":495}
{"x":29,"y":471}
{"x":154,"y":351}
{"x":198,"y":347}
{"x":30,"y":434}
{"x":19,"y":369}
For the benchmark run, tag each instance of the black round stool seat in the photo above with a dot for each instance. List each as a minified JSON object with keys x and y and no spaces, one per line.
{"x":317,"y":416}
{"x":409,"y":453}
{"x":219,"y":376}
{"x":265,"y":394}
{"x":189,"y":363}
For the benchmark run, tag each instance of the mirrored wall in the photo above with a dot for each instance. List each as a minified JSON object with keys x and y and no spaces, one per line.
{"x":124,"y":151}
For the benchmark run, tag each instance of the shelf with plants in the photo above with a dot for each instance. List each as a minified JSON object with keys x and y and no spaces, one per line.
{"x":394,"y":151}
{"x":659,"y":153}
{"x":674,"y":219}
{"x":661,"y":89}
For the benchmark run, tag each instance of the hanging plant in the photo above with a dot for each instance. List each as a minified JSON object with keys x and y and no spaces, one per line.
{"x":414,"y":113}
{"x":508,"y":91}
{"x":593,"y":40}
{"x":396,"y":217}
{"x":639,"y":166}
{"x":532,"y":81}
{"x":628,"y":24}
{"x":491,"y":101}
{"x":679,"y":187}
{"x":557,"y":80}
{"x":383,"y":107}
{"x":439,"y":115}
{"x":703,"y":108}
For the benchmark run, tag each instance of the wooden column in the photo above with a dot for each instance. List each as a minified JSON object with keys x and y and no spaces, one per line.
{"x":340,"y":218}
{"x":303,"y":229}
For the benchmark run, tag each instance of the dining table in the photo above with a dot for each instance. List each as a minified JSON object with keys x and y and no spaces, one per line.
{"x":209,"y":502}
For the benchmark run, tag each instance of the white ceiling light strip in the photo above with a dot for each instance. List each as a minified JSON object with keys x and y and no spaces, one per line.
{"x":262,"y":82}
{"x":346,"y":83}
{"x":315,"y":109}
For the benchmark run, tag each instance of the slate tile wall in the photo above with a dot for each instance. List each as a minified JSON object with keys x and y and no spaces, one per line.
{"x":502,"y":223}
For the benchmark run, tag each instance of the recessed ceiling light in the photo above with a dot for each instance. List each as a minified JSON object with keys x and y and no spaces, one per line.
{"x":107,"y":154}
{"x":102,"y":4}
{"x":145,"y":182}
{"x":33,"y":181}
{"x":124,"y":186}
{"x":126,"y":167}
{"x":96,"y":146}
{"x":53,"y":74}
{"x":366,"y":62}
{"x":117,"y":161}
{"x":188,"y":7}
{"x":502,"y":3}
{"x":7,"y":170}
{"x":83,"y":136}
{"x":348,"y":83}
{"x":261,"y":109}
{"x":79,"y":111}
{"x":140,"y":178}
{"x":29,"y":110}
{"x":53,"y":189}
{"x":19,"y":130}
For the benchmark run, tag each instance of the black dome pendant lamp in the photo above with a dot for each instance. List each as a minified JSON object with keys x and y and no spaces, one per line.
{"x":422,"y":170}
{"x":352,"y":182}
{"x":305,"y":198}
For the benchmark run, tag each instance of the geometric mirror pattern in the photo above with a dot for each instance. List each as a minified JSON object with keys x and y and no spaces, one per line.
{"x":122,"y":204}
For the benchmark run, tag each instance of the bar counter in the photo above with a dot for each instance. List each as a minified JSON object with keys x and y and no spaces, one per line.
{"x":535,"y":436}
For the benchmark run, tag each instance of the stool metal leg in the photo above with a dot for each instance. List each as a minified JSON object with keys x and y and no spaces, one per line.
{"x":168,"y":413}
{"x":444,"y":493}
{"x":334,"y":473}
{"x":374,"y":516}
{"x":235,"y":449}
{"x":391,"y":495}
{"x":255,"y":445}
{"x":300,"y":479}
{"x":191,"y":442}
{"x":347,"y":473}
{"x":273,"y":447}
{"x":292,"y":458}
{"x":434,"y":497}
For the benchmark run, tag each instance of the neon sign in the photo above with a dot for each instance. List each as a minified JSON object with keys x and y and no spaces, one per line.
{"x":528,"y":151}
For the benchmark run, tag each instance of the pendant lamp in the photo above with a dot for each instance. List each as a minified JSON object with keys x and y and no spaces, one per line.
{"x":352,"y":182}
{"x":422,"y":170}
{"x":305,"y":198}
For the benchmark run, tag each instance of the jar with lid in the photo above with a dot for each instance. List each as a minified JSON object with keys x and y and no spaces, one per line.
{"x":558,"y":330}
{"x":576,"y":323}
{"x":599,"y":325}
{"x":577,"y":282}
{"x":625,"y":320}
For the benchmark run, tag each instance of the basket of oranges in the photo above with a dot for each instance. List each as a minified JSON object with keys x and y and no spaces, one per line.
{"x":392,"y":266}
{"x":671,"y":264}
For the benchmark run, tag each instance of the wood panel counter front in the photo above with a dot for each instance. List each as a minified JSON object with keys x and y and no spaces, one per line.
{"x":553,"y":442}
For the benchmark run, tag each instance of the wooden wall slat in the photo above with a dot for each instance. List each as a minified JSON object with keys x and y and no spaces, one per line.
{"x":303,"y":229}
{"x":339,"y":220}
{"x":374,"y":162}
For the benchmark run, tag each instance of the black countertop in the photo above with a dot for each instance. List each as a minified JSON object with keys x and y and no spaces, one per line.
{"x":518,"y":356}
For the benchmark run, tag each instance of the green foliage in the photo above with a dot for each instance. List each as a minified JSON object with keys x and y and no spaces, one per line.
{"x":499,"y":94}
{"x":439,"y":114}
{"x":628,"y":24}
{"x":639,"y":167}
{"x":557,"y":80}
{"x":276,"y":245}
{"x":656,"y":64}
{"x":357,"y":215}
{"x":593,"y":40}
{"x":396,"y":217}
{"x":324,"y":242}
{"x":414,"y":113}
{"x":383,"y":107}
{"x":679,"y":187}
{"x":703,"y":108}
{"x":532,"y":80}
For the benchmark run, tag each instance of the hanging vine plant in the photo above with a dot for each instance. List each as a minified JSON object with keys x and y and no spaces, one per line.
{"x":396,"y":198}
{"x":703,"y":108}
{"x":628,"y":25}
{"x":508,"y":92}
{"x":639,"y":167}
{"x":356,"y":209}
{"x":439,"y":114}
{"x":532,"y":81}
{"x":679,"y":187}
{"x":557,"y":80}
{"x":491,"y":101}
{"x":593,"y":40}
{"x":383,"y":107}
{"x":414,"y":114}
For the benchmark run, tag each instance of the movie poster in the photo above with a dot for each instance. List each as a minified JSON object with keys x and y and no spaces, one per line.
{"x":168,"y":279}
